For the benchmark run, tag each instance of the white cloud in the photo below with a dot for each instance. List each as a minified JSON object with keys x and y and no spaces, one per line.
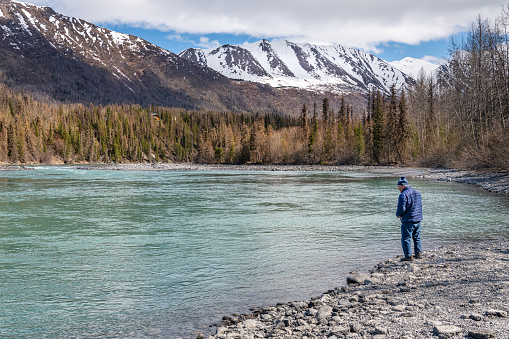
{"x":433,"y":59}
{"x":207,"y":43}
{"x":363,"y":24}
{"x":203,"y":42}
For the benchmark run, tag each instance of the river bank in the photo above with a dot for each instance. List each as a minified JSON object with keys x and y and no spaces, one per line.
{"x":457,"y":291}
{"x":492,"y":182}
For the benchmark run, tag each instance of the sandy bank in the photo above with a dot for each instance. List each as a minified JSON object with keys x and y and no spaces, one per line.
{"x":457,"y":291}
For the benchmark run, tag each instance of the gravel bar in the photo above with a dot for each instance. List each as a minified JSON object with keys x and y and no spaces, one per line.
{"x":460,"y":290}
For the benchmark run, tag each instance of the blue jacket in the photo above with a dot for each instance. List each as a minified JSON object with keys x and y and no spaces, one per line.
{"x":409,"y":205}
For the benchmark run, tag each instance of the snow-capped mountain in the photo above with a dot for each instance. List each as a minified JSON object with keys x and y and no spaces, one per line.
{"x":413,"y":67}
{"x":286,"y":64}
{"x":68,"y":59}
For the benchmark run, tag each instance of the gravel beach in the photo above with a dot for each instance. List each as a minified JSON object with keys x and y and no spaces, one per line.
{"x":457,"y":291}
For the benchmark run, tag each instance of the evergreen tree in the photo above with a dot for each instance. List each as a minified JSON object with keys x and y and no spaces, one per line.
{"x":303,"y":121}
{"x":403,"y":140}
{"x":378,"y":127}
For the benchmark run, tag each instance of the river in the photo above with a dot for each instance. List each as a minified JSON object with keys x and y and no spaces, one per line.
{"x":164,"y":254}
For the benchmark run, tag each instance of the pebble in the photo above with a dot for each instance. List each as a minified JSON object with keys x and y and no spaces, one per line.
{"x":481,"y":334}
{"x":476,"y":317}
{"x":358,"y":278}
{"x":446,"y":331}
{"x":496,"y":313}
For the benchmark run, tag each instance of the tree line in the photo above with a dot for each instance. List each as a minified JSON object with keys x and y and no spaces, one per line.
{"x":458,"y":117}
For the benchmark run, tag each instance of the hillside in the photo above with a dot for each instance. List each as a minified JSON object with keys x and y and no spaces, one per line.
{"x":68,"y":59}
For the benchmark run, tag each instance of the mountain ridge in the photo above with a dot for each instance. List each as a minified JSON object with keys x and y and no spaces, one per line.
{"x":282,"y":63}
{"x":71,"y":60}
{"x":66,"y":59}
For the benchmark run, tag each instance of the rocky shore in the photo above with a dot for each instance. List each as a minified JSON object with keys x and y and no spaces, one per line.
{"x":492,"y":182}
{"x":457,"y":291}
{"x":15,"y":168}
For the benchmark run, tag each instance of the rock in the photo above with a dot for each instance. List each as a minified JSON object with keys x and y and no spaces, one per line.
{"x":221,"y":330}
{"x":299,"y":304}
{"x":446,"y":331}
{"x":251,"y":323}
{"x":476,"y":317}
{"x":357,"y":278}
{"x":343,"y":302}
{"x":380,"y":330}
{"x":279,"y":324}
{"x":497,"y":313}
{"x":340,"y":330}
{"x":311,"y":312}
{"x":371,"y":281}
{"x":266,"y":317}
{"x":355,"y":327}
{"x":354,"y":299}
{"x":399,"y":308}
{"x":324,"y":312}
{"x":481,"y":334}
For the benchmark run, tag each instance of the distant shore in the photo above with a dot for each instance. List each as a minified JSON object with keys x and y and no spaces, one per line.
{"x":492,"y":182}
{"x":459,"y":290}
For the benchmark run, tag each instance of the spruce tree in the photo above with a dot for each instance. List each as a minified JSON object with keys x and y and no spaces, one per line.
{"x":378,"y":127}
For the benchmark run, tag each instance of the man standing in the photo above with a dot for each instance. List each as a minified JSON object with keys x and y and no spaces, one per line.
{"x":410,"y":212}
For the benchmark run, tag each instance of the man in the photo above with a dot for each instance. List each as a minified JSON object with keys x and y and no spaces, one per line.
{"x":410,"y":212}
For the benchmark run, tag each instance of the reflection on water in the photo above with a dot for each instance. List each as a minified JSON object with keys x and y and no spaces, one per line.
{"x":161,"y":254}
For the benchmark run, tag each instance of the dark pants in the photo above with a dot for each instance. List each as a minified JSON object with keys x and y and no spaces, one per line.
{"x":411,"y":231}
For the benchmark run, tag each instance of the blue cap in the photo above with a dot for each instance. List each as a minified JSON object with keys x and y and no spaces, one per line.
{"x":402,"y":181}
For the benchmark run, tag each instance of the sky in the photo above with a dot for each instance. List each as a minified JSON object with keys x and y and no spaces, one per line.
{"x":390,"y":29}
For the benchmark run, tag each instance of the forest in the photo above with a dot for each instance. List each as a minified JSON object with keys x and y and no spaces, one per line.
{"x":456,"y":118}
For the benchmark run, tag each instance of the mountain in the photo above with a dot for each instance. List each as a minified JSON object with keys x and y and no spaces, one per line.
{"x":284,"y":64}
{"x":413,"y":67}
{"x":70,"y":60}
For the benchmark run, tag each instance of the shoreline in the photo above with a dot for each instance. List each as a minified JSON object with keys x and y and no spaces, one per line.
{"x":456,"y":291}
{"x":489,"y":181}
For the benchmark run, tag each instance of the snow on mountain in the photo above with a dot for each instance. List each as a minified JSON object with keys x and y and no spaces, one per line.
{"x":413,"y":67}
{"x":70,"y":59}
{"x":51,"y":55}
{"x":286,"y":64}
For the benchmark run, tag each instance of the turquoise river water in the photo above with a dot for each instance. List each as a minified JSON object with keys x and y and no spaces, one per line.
{"x":165,"y":254}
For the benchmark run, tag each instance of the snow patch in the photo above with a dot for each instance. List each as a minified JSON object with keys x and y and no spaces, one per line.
{"x":25,"y":4}
{"x":414,"y":67}
{"x":287,"y":64}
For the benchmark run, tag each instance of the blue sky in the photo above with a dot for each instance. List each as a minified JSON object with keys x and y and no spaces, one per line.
{"x":390,"y":29}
